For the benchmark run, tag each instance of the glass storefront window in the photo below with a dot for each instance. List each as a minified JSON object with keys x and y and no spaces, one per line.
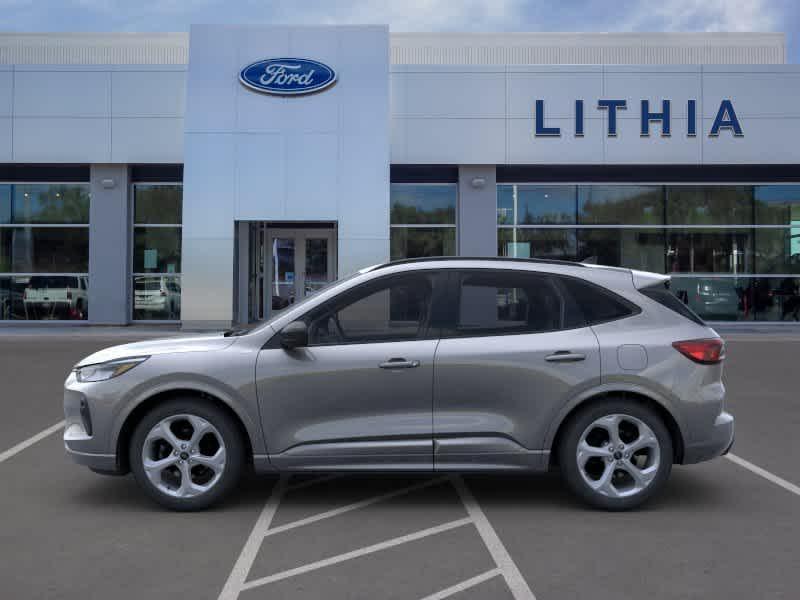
{"x":421,"y":204}
{"x":157,"y":250}
{"x":709,"y":251}
{"x":777,"y":205}
{"x":418,"y":242}
{"x":716,"y":298}
{"x":778,"y":250}
{"x":558,"y":244}
{"x":709,"y":205}
{"x":431,"y":209}
{"x":535,"y":204}
{"x":641,"y":249}
{"x":44,"y":251}
{"x":621,"y":204}
{"x":157,"y":218}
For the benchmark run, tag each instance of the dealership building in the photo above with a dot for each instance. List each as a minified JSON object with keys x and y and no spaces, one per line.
{"x":216,"y":176}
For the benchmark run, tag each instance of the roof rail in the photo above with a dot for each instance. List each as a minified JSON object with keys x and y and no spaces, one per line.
{"x":545,"y":261}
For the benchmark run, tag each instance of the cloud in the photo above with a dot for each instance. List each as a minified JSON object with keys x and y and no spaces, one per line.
{"x":705,"y":15}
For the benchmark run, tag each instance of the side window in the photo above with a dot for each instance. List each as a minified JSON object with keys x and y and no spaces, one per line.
{"x":395,"y":308}
{"x":597,"y":304}
{"x":507,"y":302}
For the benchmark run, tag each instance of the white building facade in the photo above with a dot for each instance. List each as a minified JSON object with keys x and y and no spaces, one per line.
{"x":151,"y":177}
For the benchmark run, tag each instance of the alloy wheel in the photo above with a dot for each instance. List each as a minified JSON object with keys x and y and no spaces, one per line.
{"x":618,"y":456}
{"x":184,"y":456}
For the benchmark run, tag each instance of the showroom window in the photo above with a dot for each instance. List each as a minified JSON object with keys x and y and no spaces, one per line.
{"x":733,"y":250}
{"x":157,"y":217}
{"x":44,"y":251}
{"x":423,"y":220}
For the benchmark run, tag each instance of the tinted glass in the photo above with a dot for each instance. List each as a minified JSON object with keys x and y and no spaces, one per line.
{"x":157,"y":249}
{"x":632,"y":248}
{"x":559,"y":244}
{"x":621,"y":204}
{"x":393,"y":309}
{"x":419,"y":242}
{"x":710,"y":251}
{"x":44,"y":250}
{"x":777,"y":204}
{"x":414,"y":204}
{"x":156,"y":297}
{"x":661,"y":294}
{"x":709,"y":205}
{"x":532,"y":204}
{"x":507,"y":302}
{"x":44,"y":297}
{"x":778,"y":250}
{"x":158,"y":204}
{"x":44,"y":203}
{"x":597,"y":304}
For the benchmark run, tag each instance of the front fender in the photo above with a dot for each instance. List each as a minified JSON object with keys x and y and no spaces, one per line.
{"x":237,"y":401}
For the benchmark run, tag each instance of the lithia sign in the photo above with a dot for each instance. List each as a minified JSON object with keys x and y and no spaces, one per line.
{"x":725,"y":120}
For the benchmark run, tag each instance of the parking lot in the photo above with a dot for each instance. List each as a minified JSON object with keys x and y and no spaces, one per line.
{"x":726,"y":529}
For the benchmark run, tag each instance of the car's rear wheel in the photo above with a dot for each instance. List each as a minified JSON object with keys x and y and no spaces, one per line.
{"x":616,"y":454}
{"x":187,"y":454}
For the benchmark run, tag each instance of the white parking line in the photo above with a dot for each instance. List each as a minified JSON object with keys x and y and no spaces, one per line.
{"x":248,"y":554}
{"x":464,"y":585}
{"x":771,"y":477}
{"x":418,"y":535}
{"x":514,"y":579}
{"x":4,"y":456}
{"x":354,"y":506}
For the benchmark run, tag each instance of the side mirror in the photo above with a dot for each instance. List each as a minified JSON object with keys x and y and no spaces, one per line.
{"x":294,"y":335}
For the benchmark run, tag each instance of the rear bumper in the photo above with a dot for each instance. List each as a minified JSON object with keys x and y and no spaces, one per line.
{"x":719,"y":442}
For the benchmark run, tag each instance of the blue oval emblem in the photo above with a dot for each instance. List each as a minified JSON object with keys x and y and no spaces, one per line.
{"x":287,"y":76}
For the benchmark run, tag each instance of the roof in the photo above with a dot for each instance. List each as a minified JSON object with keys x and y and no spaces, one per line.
{"x":522,"y":48}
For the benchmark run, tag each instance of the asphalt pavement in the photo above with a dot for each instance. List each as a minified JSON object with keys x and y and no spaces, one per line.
{"x":720,"y":530}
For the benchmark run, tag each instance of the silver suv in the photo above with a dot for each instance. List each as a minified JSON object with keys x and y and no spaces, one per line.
{"x":467,"y":365}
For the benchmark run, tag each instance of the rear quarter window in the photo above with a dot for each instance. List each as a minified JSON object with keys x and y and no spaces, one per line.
{"x":597,"y":304}
{"x":660,"y":293}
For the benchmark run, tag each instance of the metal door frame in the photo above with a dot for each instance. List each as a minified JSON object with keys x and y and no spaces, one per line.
{"x":300,"y":235}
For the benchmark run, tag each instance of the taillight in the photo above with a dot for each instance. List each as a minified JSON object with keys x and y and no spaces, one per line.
{"x":705,"y":352}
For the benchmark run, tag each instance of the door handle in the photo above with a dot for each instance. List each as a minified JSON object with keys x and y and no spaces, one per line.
{"x":565,"y":356}
{"x":399,"y":363}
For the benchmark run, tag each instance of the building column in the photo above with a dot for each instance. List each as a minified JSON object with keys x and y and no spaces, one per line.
{"x":477,"y":210}
{"x":109,"y":245}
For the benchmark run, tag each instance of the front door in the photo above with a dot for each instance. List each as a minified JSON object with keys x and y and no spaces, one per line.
{"x":360,"y":394}
{"x":299,"y":262}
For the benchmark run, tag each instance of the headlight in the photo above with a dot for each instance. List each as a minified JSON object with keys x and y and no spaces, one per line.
{"x":107,"y":370}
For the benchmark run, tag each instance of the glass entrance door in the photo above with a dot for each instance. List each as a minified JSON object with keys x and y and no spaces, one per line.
{"x":300,"y":262}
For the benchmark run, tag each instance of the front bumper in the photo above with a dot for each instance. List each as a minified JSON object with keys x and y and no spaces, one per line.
{"x":718,"y":443}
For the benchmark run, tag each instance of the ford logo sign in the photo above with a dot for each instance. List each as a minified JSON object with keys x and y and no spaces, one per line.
{"x":287,"y":76}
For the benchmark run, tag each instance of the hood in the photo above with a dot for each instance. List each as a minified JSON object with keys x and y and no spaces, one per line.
{"x":205,"y":343}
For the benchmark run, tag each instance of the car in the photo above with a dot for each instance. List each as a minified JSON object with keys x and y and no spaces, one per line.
{"x":426,"y":365}
{"x":56,"y":297}
{"x":156,"y":297}
{"x":711,"y":298}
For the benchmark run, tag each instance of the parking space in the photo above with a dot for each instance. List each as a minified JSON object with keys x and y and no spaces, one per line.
{"x":718,"y":531}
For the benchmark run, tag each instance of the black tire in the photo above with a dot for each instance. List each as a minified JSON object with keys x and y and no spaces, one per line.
{"x":574,"y":429}
{"x":231,"y":437}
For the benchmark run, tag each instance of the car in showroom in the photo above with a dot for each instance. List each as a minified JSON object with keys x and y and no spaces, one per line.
{"x":426,"y":365}
{"x":56,"y":297}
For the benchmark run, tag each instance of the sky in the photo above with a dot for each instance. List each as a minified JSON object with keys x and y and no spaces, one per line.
{"x":413,"y":15}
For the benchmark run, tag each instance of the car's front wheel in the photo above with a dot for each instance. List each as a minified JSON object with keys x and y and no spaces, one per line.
{"x":616,"y":454}
{"x":187,"y":454}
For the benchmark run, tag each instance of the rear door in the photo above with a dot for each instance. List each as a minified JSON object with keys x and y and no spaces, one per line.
{"x":513,"y":351}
